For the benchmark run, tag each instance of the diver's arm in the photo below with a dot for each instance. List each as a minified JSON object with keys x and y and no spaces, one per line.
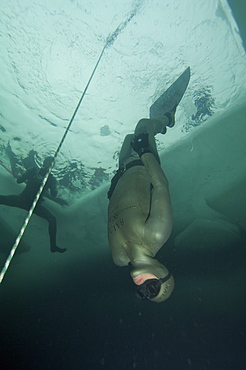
{"x":52,"y":186}
{"x":54,"y":192}
{"x":159,"y":223}
{"x":24,"y":177}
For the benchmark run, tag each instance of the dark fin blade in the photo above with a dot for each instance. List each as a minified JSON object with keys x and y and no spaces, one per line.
{"x":171,"y":97}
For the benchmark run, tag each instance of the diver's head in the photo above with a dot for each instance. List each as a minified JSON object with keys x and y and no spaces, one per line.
{"x":152,"y":278}
{"x":157,"y":290}
{"x":47,"y":162}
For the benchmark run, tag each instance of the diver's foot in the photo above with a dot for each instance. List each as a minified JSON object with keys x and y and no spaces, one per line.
{"x":171,"y":116}
{"x":57,"y":249}
{"x":163,"y":130}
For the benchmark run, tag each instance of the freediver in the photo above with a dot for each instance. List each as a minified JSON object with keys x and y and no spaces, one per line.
{"x":33,"y":178}
{"x":139,"y":212}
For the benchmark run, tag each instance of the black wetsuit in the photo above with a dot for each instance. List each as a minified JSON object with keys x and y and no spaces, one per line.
{"x":34,"y":177}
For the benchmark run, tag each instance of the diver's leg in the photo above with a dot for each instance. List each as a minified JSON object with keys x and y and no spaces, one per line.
{"x":127,"y":153}
{"x":47,"y":215}
{"x":152,"y":127}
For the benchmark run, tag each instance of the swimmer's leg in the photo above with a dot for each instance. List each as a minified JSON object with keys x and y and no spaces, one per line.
{"x":127,"y":153}
{"x":47,"y":215}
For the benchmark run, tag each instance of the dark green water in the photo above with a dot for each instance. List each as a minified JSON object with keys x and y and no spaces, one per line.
{"x":90,"y":319}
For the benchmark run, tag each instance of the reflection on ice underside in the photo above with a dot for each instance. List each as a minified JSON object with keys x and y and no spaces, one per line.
{"x":49,"y":54}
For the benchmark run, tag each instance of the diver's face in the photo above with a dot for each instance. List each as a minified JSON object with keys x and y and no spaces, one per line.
{"x":149,"y":289}
{"x":140,"y":279}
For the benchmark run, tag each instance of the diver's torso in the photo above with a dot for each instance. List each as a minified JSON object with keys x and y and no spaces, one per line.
{"x":34,"y":181}
{"x":128,"y":211}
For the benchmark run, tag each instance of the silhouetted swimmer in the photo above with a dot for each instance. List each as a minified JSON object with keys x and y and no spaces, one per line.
{"x":33,"y":178}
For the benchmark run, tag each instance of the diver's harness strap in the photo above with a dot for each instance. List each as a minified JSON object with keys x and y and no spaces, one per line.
{"x":120,"y":172}
{"x":165,"y":278}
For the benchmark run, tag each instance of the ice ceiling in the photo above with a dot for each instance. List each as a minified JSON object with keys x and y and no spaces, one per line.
{"x":50,"y":48}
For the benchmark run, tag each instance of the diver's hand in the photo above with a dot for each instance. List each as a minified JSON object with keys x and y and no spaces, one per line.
{"x":140,"y":144}
{"x":61,"y":201}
